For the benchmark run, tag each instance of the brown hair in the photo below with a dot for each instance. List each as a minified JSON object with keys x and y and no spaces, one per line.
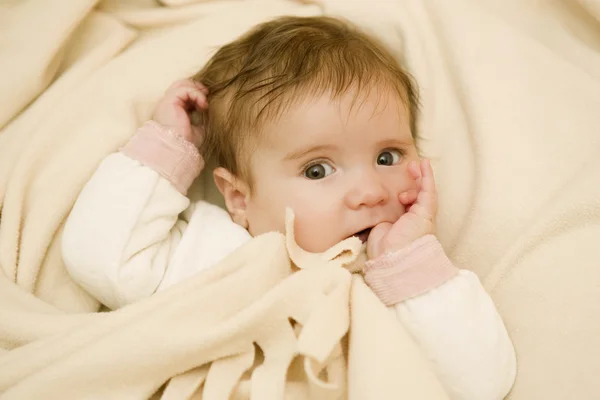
{"x":279,"y":62}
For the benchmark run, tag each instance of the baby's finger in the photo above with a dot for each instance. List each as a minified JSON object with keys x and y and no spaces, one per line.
{"x":191,"y":96}
{"x":415,"y":172}
{"x":195,"y":85}
{"x":408,"y":197}
{"x":200,"y":87}
{"x":427,"y":197}
{"x":199,"y":98}
{"x":427,"y":178}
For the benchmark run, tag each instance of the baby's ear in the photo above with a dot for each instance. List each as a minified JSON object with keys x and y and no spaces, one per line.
{"x":234,"y":191}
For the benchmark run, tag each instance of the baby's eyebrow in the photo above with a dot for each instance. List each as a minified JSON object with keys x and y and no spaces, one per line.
{"x":396,"y":142}
{"x":303,"y":152}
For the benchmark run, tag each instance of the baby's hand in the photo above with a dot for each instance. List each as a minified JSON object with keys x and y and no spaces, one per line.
{"x":173,"y":109}
{"x":419,"y":219}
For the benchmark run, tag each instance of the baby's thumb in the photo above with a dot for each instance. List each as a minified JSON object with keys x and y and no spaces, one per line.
{"x":375,"y":240}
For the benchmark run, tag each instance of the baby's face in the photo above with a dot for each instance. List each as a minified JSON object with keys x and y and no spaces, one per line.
{"x":339,"y":166}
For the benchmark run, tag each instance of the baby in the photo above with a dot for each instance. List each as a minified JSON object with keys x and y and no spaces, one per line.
{"x":305,"y":113}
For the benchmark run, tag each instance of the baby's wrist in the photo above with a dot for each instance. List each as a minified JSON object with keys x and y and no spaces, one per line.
{"x":175,"y":135}
{"x":395,"y":244}
{"x":392,"y":249}
{"x":409,"y":272}
{"x":172,"y":157}
{"x":176,"y":131}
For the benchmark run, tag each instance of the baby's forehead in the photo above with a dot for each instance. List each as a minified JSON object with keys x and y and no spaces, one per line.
{"x":384,"y":109}
{"x":339,"y":122}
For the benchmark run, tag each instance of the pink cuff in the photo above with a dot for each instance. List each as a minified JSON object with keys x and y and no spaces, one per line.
{"x":410,"y":272}
{"x":173,"y":157}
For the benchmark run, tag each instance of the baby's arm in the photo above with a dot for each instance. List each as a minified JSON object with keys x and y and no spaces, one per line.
{"x":446,"y":310}
{"x":125,"y":226}
{"x":450,"y":316}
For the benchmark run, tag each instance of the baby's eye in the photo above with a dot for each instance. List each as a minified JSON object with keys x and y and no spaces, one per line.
{"x":389,"y":157}
{"x":318,"y":171}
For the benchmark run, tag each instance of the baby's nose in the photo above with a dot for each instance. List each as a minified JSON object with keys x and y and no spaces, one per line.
{"x":368,"y":192}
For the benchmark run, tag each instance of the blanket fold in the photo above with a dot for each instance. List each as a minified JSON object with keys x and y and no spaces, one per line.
{"x":95,"y":356}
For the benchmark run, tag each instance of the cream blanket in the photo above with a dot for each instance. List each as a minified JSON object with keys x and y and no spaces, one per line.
{"x":510,"y":93}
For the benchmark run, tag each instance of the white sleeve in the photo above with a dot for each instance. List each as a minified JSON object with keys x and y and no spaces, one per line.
{"x":459,"y":329}
{"x":122,"y":231}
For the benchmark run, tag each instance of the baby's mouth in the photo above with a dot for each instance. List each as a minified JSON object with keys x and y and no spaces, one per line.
{"x":363,"y":235}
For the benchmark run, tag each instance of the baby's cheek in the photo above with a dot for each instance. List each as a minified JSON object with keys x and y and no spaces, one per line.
{"x":312,"y":234}
{"x":264,"y":217}
{"x":304,"y":235}
{"x":404,"y":180}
